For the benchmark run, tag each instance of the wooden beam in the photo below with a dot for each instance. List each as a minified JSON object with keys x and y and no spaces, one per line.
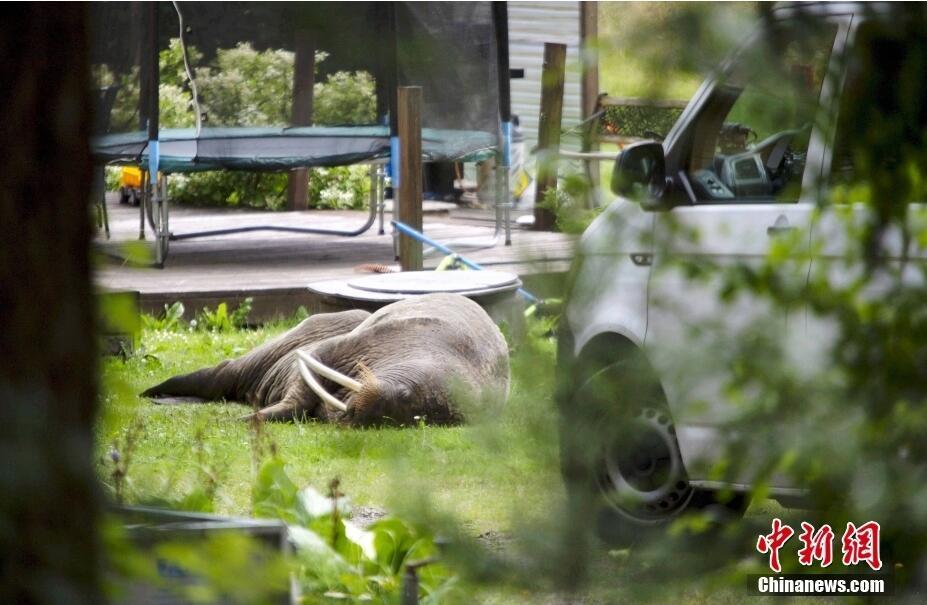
{"x":589,"y":52}
{"x":552,"y":81}
{"x":410,"y":174}
{"x":297,"y":195}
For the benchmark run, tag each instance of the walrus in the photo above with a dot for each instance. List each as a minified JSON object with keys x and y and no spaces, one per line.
{"x":425,"y":358}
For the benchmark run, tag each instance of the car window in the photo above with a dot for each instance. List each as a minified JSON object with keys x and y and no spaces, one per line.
{"x":882,"y":116}
{"x":750,"y":140}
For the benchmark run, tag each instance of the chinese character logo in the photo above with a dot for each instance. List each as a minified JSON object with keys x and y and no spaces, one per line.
{"x":773,"y":541}
{"x":859,"y":544}
{"x":818,"y":545}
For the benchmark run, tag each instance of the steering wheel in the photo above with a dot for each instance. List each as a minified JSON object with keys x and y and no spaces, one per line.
{"x":773,"y":149}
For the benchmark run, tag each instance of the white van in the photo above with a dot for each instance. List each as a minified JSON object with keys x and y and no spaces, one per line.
{"x":741,"y":168}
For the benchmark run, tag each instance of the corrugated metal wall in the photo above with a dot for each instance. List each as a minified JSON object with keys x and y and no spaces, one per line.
{"x":531,"y":24}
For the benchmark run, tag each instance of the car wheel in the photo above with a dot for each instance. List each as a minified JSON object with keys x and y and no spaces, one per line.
{"x":631,"y":456}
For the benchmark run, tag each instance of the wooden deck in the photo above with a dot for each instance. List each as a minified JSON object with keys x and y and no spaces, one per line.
{"x":274,"y":268}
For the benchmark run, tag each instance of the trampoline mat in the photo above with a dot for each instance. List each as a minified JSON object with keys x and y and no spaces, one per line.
{"x":277,"y":149}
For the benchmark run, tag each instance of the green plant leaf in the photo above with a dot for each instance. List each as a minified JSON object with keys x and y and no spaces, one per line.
{"x":274,"y":493}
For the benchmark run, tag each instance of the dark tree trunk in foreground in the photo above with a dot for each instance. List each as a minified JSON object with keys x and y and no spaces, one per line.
{"x":49,"y":505}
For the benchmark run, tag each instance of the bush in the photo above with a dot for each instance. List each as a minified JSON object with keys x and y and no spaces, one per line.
{"x":567,"y":203}
{"x":638,"y":122}
{"x":176,"y":106}
{"x":345,"y":98}
{"x":346,"y":187}
{"x":237,"y":189}
{"x":246,"y":87}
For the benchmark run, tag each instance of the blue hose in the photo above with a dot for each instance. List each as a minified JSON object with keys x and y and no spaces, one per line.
{"x":417,"y":235}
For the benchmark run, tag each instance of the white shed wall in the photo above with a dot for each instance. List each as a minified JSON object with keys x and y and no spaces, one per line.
{"x":531,"y":24}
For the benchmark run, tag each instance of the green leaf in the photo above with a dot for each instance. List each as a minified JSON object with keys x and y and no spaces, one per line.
{"x":274,"y":493}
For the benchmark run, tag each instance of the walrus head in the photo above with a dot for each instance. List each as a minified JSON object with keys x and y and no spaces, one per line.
{"x":396,"y":397}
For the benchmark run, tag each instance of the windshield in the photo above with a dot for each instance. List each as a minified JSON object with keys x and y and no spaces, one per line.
{"x":751,"y":138}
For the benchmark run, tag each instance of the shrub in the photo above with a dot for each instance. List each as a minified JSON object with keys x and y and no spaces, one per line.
{"x":246,"y":87}
{"x":641,"y":122}
{"x":345,"y":98}
{"x":340,"y":187}
{"x":237,"y":189}
{"x":567,"y":203}
{"x":176,"y":106}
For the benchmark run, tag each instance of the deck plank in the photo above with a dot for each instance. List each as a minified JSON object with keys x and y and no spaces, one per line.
{"x":275,"y":267}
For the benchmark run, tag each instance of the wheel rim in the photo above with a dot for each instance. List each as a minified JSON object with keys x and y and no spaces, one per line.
{"x":642,"y":475}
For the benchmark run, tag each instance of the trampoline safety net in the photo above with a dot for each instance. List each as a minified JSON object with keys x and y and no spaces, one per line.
{"x":326,"y":72}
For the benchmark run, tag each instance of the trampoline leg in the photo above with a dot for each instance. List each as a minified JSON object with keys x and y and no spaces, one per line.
{"x":508,"y":224}
{"x":105,"y":215}
{"x":145,"y":201}
{"x":163,"y":234}
{"x":497,"y":194}
{"x":376,"y":199}
{"x":99,"y":195}
{"x":503,"y":202}
{"x":381,"y":195}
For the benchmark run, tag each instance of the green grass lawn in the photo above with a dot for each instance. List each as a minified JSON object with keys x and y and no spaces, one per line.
{"x":481,"y":473}
{"x":497,"y":477}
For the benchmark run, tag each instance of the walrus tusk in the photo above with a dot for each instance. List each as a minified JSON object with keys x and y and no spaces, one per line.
{"x":326,"y":397}
{"x":334,"y":375}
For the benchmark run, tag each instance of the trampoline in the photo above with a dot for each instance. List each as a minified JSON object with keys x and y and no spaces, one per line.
{"x":452,"y":50}
{"x":184,"y":151}
{"x":181,"y":150}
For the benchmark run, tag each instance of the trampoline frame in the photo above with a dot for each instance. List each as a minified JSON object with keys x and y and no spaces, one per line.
{"x":155,"y":206}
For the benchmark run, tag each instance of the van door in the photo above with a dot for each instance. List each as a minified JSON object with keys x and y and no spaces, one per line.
{"x":745,"y":167}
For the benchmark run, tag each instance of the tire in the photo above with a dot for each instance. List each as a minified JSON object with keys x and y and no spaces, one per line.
{"x":620,"y":449}
{"x":124,"y":196}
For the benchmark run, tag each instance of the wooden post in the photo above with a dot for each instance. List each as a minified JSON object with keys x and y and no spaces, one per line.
{"x":49,"y":374}
{"x":589,"y":33}
{"x":552,"y":78}
{"x":297,"y":197}
{"x":410,"y":174}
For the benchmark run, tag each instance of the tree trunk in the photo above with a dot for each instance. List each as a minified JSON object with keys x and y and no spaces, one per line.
{"x":303,"y":89}
{"x":49,"y":505}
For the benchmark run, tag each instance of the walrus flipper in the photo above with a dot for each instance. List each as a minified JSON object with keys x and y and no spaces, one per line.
{"x":170,"y":400}
{"x":208,"y":384}
{"x":284,"y":410}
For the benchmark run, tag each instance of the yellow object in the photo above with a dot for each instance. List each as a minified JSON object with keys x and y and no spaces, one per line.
{"x":131,"y":176}
{"x":522,"y":180}
{"x":451,"y":262}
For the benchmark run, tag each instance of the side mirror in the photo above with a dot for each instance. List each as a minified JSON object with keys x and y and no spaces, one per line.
{"x":640,"y":171}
